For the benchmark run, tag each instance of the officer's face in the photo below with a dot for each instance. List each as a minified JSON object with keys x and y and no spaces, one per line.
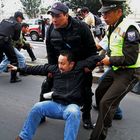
{"x":19,"y":19}
{"x":64,"y":65}
{"x":112,"y":16}
{"x":59,"y":20}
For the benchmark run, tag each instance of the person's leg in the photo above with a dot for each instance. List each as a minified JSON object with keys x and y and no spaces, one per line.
{"x":72,"y":117}
{"x":118,"y":113}
{"x":3,"y":64}
{"x":1,"y":56}
{"x":21,"y":58}
{"x":111,"y":100}
{"x":87,"y":96}
{"x":41,"y":109}
{"x":46,"y":87}
{"x":30,"y":51}
{"x":10,"y":53}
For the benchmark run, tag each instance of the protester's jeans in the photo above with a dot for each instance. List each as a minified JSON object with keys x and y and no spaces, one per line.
{"x":51,"y":109}
{"x":20,"y":57}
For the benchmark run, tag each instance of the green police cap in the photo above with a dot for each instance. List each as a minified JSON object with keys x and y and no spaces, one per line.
{"x":108,"y":5}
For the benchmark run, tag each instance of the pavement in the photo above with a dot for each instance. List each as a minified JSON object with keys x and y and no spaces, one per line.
{"x":17,"y":99}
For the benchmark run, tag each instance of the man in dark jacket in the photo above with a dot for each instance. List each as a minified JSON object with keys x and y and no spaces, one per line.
{"x":10,"y":30}
{"x":66,"y":33}
{"x":67,"y":94}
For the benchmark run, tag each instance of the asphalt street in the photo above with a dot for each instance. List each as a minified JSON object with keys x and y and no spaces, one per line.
{"x":17,"y":99}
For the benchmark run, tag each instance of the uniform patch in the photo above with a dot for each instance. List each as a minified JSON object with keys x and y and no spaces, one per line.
{"x":131,"y":36}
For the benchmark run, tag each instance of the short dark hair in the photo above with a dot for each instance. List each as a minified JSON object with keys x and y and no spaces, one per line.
{"x":24,"y":25}
{"x":70,"y":56}
{"x":85,"y":9}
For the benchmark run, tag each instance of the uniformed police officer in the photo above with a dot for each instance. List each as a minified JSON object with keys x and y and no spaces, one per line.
{"x":10,"y":30}
{"x":124,"y":59}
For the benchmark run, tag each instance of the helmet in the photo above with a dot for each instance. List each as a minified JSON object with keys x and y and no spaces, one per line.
{"x":108,"y":5}
{"x":18,"y":14}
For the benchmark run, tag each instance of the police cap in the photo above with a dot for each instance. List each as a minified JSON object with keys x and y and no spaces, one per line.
{"x":19,"y":14}
{"x":108,"y":5}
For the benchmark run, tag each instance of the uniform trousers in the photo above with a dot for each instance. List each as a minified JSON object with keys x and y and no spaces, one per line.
{"x":7,"y":48}
{"x":113,"y":87}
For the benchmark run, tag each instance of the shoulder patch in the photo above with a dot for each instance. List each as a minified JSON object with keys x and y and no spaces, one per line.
{"x":131,"y":36}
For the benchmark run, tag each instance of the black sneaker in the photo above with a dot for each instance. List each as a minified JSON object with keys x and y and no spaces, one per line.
{"x":15,"y":80}
{"x":87,"y":124}
{"x":117,"y":117}
{"x":33,"y":59}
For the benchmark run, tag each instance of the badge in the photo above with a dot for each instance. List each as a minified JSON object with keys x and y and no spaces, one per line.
{"x":131,"y":36}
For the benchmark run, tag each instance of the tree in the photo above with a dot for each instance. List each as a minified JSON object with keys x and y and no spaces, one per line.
{"x":31,"y":7}
{"x":93,"y":5}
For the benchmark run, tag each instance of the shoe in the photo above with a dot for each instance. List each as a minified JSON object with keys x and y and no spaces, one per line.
{"x":33,"y":59}
{"x":18,"y":138}
{"x":87,"y":124}
{"x":14,"y":80}
{"x":117,"y":117}
{"x":42,"y":120}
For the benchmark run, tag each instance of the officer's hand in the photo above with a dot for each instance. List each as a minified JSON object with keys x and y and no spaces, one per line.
{"x":11,"y":67}
{"x":106,"y":61}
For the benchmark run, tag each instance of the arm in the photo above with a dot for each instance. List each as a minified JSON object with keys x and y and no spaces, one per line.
{"x":52,"y":59}
{"x":90,"y":62}
{"x":88,"y":41}
{"x":17,"y":32}
{"x":130,"y":49}
{"x":35,"y":70}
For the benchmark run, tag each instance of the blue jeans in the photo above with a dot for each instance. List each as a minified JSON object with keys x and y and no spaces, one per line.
{"x":20,"y":57}
{"x":70,"y":113}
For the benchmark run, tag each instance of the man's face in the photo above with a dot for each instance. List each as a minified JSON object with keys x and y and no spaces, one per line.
{"x":59,"y":20}
{"x":112,"y":16}
{"x":19,"y":19}
{"x":64,"y":65}
{"x":25,"y":29}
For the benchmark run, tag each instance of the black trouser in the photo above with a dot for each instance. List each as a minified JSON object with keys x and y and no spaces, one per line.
{"x":87,"y":95}
{"x":48,"y":84}
{"x":1,"y":57}
{"x":6,"y":47}
{"x":29,"y":50}
{"x":46,"y":87}
{"x":114,"y":86}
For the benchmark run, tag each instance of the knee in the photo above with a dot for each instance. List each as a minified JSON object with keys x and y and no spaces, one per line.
{"x":103,"y":104}
{"x":73,"y":112}
{"x":37,"y":107}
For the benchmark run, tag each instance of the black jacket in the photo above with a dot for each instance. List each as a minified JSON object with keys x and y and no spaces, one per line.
{"x":10,"y":28}
{"x":76,"y":37}
{"x":67,"y":87}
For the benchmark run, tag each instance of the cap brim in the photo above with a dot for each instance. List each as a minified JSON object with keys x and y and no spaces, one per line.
{"x":54,"y":11}
{"x":104,"y":9}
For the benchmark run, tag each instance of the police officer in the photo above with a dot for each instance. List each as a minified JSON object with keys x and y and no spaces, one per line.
{"x":66,"y":33}
{"x":10,"y":30}
{"x":124,"y":59}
